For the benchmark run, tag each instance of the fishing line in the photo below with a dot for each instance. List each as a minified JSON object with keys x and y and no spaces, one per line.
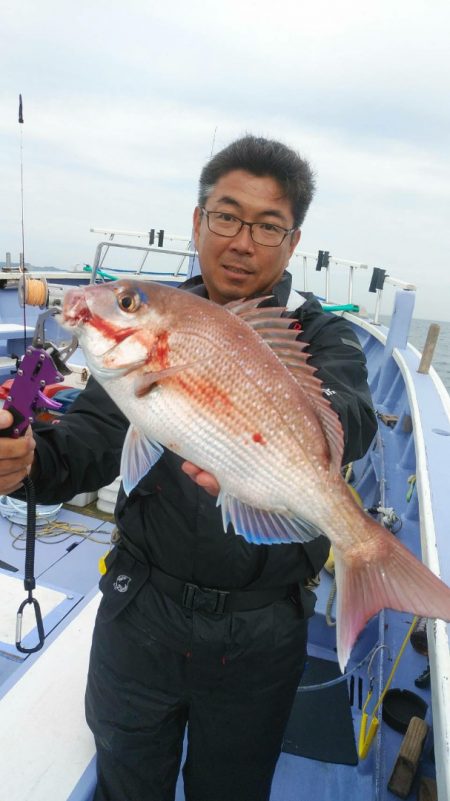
{"x":307,"y":688}
{"x":213,"y":142}
{"x":22,"y":255}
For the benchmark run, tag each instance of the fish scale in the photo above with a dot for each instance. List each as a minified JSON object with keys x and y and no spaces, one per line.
{"x":220,"y":453}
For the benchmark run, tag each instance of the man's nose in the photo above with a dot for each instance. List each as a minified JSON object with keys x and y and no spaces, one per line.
{"x":243,"y":239}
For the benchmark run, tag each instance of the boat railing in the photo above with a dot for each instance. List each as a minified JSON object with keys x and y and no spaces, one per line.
{"x":104,"y":247}
{"x":160,"y":237}
{"x":159,"y":242}
{"x":322,"y":261}
{"x":379,"y":279}
{"x":150,"y":235}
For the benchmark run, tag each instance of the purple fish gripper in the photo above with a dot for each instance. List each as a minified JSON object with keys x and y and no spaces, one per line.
{"x":26,"y":395}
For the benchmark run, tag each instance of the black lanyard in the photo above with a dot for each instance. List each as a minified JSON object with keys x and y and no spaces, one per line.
{"x":29,"y":581}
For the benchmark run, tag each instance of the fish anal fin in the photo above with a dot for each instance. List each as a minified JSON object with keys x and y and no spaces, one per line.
{"x":262,"y":527}
{"x":394,"y":579}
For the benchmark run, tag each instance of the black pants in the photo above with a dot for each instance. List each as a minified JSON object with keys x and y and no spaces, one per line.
{"x":156,"y":668}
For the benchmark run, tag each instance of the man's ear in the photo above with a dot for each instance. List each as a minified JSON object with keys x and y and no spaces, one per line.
{"x":197,"y":221}
{"x":295,"y":239}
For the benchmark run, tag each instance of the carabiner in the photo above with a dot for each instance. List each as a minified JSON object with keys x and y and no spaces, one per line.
{"x":39,"y":625}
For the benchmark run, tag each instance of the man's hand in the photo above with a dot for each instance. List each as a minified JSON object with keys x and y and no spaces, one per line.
{"x":16,"y":456}
{"x":202,"y":478}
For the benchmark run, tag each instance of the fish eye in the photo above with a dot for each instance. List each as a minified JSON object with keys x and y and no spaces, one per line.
{"x":128,"y":301}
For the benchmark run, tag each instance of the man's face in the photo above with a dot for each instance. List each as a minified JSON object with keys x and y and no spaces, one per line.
{"x":238,"y":267}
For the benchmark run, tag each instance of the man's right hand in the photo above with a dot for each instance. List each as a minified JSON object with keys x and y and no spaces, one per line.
{"x":16,"y":456}
{"x":205,"y":480}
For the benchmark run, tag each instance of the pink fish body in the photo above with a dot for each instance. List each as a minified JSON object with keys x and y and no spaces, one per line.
{"x":230,"y":389}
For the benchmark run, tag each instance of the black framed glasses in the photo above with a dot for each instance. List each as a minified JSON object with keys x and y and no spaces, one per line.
{"x":263,"y":233}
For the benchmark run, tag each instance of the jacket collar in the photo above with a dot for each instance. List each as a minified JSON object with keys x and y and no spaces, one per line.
{"x":280,"y":292}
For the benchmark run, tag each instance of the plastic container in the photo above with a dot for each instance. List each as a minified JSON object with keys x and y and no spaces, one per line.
{"x":107,"y":496}
{"x":106,"y":506}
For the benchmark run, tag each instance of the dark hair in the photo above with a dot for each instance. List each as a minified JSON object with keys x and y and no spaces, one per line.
{"x":261,"y":157}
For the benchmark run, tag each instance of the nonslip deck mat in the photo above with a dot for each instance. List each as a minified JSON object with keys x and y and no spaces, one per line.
{"x":321,"y":726}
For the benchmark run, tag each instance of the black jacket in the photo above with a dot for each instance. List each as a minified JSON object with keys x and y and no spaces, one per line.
{"x":173,"y":523}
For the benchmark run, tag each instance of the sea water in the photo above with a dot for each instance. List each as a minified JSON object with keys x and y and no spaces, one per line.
{"x":417,"y":337}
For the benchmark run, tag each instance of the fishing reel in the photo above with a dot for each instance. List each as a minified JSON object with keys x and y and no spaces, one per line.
{"x":44,"y":362}
{"x":38,"y":292}
{"x":50,"y":298}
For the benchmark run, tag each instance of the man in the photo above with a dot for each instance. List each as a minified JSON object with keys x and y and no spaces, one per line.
{"x":196,"y":626}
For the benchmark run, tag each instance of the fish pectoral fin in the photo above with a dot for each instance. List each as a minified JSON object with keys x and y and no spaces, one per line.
{"x":139,"y":454}
{"x":263,"y":527}
{"x":145,"y":382}
{"x":393,"y":578}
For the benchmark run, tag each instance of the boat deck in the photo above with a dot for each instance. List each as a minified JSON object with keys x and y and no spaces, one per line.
{"x":41,"y":695}
{"x":52,"y":683}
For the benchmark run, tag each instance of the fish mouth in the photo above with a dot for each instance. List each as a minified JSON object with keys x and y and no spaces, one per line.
{"x":75,"y":312}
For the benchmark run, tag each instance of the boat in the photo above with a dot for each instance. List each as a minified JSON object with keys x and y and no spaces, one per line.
{"x":378,"y":732}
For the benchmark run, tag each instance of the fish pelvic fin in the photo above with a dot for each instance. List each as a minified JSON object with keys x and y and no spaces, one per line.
{"x":276,"y":331}
{"x":262,"y":527}
{"x":139,"y":454}
{"x":394,"y":579}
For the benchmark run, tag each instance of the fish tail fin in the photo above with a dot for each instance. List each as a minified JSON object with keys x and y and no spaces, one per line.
{"x":392,"y":578}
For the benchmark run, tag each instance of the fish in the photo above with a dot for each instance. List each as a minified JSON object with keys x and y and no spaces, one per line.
{"x":229,"y":388}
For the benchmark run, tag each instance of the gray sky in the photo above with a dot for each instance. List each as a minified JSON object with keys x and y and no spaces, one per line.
{"x":122,"y":103}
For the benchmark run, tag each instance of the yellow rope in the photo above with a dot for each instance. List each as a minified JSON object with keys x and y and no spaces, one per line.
{"x":56,"y":529}
{"x":35,"y":291}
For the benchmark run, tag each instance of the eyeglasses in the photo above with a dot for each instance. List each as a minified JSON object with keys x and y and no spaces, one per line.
{"x":263,"y":233}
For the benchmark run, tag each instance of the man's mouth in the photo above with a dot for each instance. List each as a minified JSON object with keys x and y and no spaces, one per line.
{"x":236,"y":269}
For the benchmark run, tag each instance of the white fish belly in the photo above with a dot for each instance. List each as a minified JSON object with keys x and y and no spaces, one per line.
{"x":260,"y":468}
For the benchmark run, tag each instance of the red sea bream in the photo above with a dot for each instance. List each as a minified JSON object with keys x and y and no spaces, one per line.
{"x":229,"y":388}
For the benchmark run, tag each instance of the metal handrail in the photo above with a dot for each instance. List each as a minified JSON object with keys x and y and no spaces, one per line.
{"x":98,"y":259}
{"x":307,"y":261}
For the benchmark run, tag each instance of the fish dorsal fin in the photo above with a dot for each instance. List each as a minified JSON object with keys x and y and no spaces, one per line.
{"x":282,"y":339}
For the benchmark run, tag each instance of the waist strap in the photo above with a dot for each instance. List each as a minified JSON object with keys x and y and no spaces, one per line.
{"x":191,"y":596}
